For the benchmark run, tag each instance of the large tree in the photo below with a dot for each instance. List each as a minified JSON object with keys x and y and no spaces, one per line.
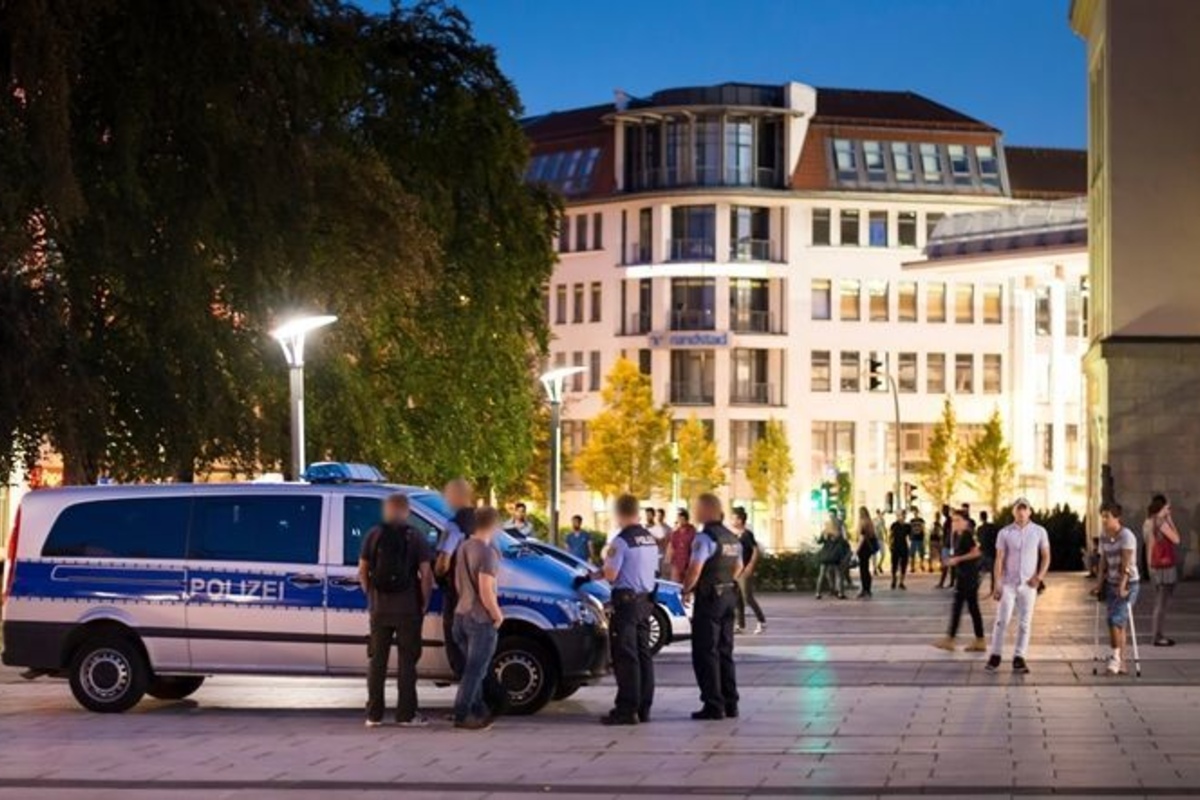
{"x":181,"y":176}
{"x":697,"y":462}
{"x":943,"y":468}
{"x":628,"y":446}
{"x":989,"y":462}
{"x":769,"y":471}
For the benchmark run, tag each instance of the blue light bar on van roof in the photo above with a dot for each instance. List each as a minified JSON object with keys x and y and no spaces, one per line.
{"x":342,"y":472}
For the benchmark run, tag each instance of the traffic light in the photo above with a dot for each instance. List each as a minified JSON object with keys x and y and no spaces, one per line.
{"x":891,"y":502}
{"x":876,"y":378}
{"x":827,"y":496}
{"x":818,"y":501}
{"x":910,"y":495}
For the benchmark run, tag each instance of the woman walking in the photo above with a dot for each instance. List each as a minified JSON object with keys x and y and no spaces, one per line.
{"x":1161,"y":538}
{"x":868,"y":546}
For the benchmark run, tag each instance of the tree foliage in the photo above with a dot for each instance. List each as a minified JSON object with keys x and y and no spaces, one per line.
{"x":697,"y":461}
{"x":770,"y":467}
{"x":180,"y":176}
{"x":628,"y":447}
{"x":989,"y":462}
{"x":943,"y":468}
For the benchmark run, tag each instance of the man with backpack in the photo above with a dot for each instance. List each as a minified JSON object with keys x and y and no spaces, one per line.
{"x":395,"y":573}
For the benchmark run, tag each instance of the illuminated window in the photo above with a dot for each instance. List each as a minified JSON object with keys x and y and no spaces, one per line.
{"x":964,"y":303}
{"x":822,"y":304}
{"x":850,"y":373}
{"x":935,"y":302}
{"x":850,"y":307}
{"x":992,"y":374}
{"x":821,"y":371}
{"x":906,"y":301}
{"x":935,"y":373}
{"x":993,"y":304}
{"x":877,"y":300}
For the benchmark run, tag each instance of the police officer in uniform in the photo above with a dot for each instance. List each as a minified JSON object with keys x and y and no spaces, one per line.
{"x":629,"y":565}
{"x":715,"y":565}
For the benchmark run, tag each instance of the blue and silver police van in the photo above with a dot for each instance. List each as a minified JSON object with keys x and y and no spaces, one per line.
{"x":135,"y":590}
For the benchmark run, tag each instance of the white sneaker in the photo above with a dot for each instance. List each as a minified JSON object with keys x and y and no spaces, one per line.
{"x":739,"y":630}
{"x":1114,"y":665}
{"x":418,"y":721}
{"x":759,"y":628}
{"x":374,"y":723}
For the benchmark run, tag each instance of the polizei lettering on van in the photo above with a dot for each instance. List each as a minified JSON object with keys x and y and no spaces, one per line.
{"x":217,"y":588}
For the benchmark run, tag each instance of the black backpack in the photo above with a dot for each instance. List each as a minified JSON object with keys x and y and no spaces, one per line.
{"x":391,"y":572}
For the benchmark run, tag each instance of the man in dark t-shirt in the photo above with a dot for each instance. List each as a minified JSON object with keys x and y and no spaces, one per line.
{"x":397,"y":596}
{"x":964,"y":561}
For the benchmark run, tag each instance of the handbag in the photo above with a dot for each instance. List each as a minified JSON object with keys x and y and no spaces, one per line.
{"x":1162,"y":554}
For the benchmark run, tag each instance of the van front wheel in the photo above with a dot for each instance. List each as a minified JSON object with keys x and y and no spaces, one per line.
{"x":527,"y":672}
{"x":174,"y":687}
{"x":108,"y":674}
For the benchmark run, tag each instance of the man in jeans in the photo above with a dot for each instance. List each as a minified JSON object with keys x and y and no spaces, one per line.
{"x":395,"y":573}
{"x":477,"y":618}
{"x":1022,"y":560}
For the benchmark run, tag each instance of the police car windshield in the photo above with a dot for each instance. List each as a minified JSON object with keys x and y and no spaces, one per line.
{"x":434,"y":501}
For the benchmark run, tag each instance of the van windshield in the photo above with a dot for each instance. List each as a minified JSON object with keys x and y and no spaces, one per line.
{"x":434,"y":501}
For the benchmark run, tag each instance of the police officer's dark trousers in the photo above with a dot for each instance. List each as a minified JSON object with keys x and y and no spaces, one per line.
{"x":712,"y":647}
{"x":633,"y":664}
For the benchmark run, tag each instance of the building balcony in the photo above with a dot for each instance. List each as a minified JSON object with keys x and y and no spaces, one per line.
{"x":693,"y":319}
{"x":744,"y":320}
{"x":690,"y":393}
{"x":649,"y":180}
{"x":703,"y":249}
{"x":753,"y":250}
{"x":637,"y":324}
{"x":754,"y":393}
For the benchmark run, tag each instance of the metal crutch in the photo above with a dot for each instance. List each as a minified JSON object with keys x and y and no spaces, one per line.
{"x":1096,"y":657}
{"x":1137,"y":664}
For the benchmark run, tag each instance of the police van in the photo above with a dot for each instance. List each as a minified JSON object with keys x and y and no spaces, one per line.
{"x":135,"y":590}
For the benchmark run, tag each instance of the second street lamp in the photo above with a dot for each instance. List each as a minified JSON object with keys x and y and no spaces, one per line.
{"x":553,"y":382}
{"x":291,"y":336}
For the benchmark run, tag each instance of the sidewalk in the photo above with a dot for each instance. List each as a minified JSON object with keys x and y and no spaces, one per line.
{"x":839,"y":698}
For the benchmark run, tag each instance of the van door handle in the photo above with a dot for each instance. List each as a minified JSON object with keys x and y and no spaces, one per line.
{"x":345,"y":583}
{"x":303,"y":580}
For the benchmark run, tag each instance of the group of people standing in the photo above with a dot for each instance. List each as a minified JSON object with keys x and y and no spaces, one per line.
{"x":715,"y":562}
{"x":397,"y":570}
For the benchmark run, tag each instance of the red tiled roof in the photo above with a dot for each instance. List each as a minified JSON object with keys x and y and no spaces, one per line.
{"x":1046,"y":173}
{"x":867,"y":106}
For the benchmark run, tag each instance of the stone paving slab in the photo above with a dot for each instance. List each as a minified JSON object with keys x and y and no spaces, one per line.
{"x":892,"y":718}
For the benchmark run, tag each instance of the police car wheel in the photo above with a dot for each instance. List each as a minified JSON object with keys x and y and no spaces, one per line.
{"x":108,"y":675}
{"x":528,"y":674}
{"x":660,"y":628}
{"x":174,"y":687}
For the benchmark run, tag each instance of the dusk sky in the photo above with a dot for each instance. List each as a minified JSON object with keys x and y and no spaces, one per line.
{"x":1012,"y":63}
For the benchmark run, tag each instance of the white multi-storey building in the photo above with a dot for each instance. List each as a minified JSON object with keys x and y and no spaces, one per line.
{"x":753,"y":248}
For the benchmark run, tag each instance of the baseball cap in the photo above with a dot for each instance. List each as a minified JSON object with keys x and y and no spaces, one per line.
{"x":1021,"y":501}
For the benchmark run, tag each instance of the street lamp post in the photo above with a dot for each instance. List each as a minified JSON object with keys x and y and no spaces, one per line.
{"x":290,"y":336}
{"x":876,"y":373}
{"x":553,"y":382}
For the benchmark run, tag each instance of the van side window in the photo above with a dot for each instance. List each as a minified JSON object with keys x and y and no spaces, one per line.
{"x":133,"y":528}
{"x":359,"y":515}
{"x":273,"y":529}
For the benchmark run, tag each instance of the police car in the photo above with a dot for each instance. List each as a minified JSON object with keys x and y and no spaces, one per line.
{"x":670,"y":621}
{"x":134,"y":590}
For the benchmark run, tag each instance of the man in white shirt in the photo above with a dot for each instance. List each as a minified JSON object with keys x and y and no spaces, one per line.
{"x":1022,"y":559}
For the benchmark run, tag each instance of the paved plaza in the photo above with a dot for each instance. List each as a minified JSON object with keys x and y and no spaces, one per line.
{"x":839,"y":699}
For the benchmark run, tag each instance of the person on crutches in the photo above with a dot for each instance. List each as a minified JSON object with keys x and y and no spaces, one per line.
{"x":1118,"y":581}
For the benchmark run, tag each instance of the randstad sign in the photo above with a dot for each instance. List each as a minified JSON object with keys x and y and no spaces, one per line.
{"x":690,"y":339}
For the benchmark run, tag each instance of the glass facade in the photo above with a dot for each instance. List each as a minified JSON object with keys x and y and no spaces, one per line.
{"x":703,"y":150}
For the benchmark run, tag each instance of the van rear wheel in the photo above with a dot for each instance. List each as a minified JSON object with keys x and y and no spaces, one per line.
{"x":527,"y":672}
{"x":108,"y":674}
{"x":174,"y":687}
